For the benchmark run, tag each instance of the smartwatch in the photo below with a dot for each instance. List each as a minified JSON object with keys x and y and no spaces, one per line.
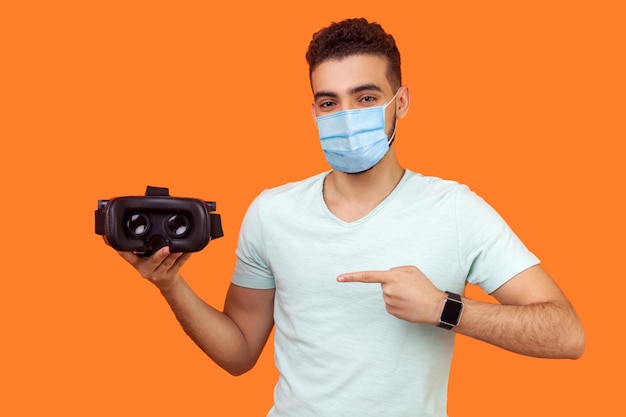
{"x":451,"y":311}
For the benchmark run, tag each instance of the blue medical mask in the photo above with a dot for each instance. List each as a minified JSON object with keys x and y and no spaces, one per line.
{"x":355,"y":140}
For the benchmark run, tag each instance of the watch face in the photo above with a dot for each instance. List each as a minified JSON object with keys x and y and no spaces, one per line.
{"x":451,"y":312}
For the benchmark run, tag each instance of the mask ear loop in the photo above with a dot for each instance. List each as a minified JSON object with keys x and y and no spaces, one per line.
{"x":395,"y":125}
{"x":393,"y":135}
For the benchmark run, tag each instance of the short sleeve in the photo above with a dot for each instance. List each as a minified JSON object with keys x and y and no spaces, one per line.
{"x":488,"y":248}
{"x":251,"y":267}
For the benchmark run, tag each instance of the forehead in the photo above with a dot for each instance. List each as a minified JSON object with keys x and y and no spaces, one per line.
{"x":340,"y":75}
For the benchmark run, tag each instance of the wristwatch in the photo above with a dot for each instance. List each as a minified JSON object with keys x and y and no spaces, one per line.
{"x":451,"y":311}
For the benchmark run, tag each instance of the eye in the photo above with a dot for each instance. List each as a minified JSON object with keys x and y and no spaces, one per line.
{"x":367,"y":99}
{"x":326,"y":104}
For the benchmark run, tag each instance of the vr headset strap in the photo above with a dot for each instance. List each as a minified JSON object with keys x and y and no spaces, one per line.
{"x":100,"y":217}
{"x":157,"y":191}
{"x":216,"y":226}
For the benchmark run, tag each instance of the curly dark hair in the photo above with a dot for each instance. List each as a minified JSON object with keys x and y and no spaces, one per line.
{"x":355,"y":37}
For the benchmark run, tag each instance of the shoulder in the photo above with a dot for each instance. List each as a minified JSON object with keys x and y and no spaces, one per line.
{"x":441,"y":196}
{"x":436,"y":188}
{"x":290,"y":195}
{"x":294,"y":188}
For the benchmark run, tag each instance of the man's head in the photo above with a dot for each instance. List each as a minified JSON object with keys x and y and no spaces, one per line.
{"x":357,"y":94}
{"x":355,"y":37}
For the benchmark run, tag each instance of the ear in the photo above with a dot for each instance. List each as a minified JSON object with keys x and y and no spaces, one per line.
{"x":402,"y":102}
{"x":313,"y":115}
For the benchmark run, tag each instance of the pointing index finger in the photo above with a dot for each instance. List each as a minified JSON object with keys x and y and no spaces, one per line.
{"x":378,"y":277}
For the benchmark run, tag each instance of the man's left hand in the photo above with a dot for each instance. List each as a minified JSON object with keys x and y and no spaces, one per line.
{"x":407,"y":292}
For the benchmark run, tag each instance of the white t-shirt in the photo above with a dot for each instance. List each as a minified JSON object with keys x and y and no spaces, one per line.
{"x":337,"y":350}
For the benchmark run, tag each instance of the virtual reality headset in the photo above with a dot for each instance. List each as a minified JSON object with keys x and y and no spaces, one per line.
{"x":145,"y":224}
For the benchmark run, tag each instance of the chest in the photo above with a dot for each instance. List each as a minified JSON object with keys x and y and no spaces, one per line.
{"x":307,"y":263}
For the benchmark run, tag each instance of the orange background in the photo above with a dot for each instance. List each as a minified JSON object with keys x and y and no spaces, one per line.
{"x":523,"y":101}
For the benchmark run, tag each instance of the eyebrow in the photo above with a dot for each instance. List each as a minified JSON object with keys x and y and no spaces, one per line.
{"x":355,"y":90}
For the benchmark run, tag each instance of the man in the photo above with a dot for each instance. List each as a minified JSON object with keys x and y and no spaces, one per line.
{"x":310,"y":252}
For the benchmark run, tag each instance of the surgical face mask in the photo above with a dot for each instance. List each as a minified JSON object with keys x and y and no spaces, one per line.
{"x":355,"y":140}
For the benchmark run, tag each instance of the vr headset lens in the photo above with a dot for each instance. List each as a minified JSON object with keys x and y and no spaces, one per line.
{"x":137,"y":224}
{"x":177,"y":225}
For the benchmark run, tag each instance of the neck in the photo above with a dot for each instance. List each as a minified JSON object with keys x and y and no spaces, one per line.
{"x":352,"y":196}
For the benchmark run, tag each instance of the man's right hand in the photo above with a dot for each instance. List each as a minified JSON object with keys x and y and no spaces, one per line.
{"x":161,"y":268}
{"x":234,"y":338}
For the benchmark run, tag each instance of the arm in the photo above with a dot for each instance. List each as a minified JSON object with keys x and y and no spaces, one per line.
{"x":234,"y":338}
{"x":534,"y":317}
